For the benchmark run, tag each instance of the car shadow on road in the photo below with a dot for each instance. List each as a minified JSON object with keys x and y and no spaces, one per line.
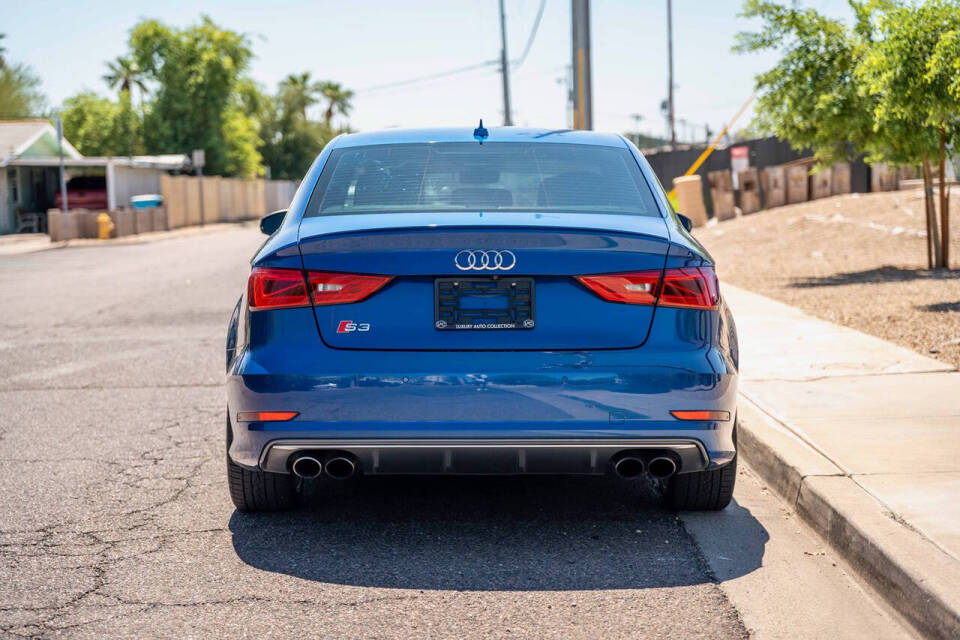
{"x":486,"y":533}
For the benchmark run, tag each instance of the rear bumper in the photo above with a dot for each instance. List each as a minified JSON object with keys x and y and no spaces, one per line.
{"x":485,"y":412}
{"x":478,"y":456}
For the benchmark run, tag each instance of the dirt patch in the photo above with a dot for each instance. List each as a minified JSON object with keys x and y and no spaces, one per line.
{"x":858,"y":260}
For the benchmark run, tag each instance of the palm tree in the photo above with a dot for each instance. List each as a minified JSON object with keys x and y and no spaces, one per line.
{"x":124,"y":72}
{"x":3,"y":50}
{"x":298,"y":92}
{"x":338,"y":100}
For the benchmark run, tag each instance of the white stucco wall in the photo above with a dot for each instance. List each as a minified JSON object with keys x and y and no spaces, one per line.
{"x":129,"y":181}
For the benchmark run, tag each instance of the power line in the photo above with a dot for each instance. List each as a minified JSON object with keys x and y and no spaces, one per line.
{"x":533,"y":35}
{"x":473,"y":67}
{"x":431,"y":76}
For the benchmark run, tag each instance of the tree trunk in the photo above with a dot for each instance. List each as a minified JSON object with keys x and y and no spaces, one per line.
{"x":933,"y":235}
{"x":944,"y":202}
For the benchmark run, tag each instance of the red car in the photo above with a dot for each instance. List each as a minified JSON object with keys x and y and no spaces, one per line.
{"x":85,"y":192}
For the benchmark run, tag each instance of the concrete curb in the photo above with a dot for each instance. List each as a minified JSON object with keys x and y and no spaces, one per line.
{"x":915,"y":576}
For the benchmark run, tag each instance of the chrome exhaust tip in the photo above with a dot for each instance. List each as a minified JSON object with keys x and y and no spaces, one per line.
{"x":306,"y":467}
{"x":629,"y":467}
{"x":662,"y":467}
{"x":340,"y":468}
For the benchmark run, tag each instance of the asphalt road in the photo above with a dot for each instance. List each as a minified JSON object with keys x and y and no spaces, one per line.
{"x":115,"y":519}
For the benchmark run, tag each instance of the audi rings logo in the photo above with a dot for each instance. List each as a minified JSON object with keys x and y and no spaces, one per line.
{"x":489,"y":260}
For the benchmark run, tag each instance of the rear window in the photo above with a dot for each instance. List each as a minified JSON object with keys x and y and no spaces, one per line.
{"x":504,"y":176}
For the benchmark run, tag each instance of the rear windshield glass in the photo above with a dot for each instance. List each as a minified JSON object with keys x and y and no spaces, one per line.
{"x":505,"y":176}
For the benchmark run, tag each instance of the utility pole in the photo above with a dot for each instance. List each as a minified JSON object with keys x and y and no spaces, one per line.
{"x":504,"y":68}
{"x":582,"y":82}
{"x":64,"y":206}
{"x":673,"y":131}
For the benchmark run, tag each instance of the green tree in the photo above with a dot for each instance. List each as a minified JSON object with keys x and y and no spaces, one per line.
{"x":123,"y":74}
{"x":811,"y":97}
{"x":338,"y":100}
{"x":88,"y":123}
{"x":20,"y":95}
{"x":297,"y":92}
{"x":882,"y":86}
{"x":97,"y":126}
{"x":909,"y":72}
{"x":196,"y":71}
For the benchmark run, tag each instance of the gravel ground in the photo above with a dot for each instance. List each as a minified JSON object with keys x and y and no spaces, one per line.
{"x":858,"y":260}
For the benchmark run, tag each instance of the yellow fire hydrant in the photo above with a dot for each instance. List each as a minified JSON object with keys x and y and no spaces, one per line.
{"x":104,"y":225}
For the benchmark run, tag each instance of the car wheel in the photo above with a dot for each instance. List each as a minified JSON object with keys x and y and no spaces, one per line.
{"x":709,"y":490}
{"x":258,"y":490}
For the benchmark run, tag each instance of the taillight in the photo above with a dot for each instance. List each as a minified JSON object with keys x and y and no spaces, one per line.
{"x":286,"y":288}
{"x":277,"y":289}
{"x":691,"y":287}
{"x":687,"y":287}
{"x":342,"y":288}
{"x":632,"y":288}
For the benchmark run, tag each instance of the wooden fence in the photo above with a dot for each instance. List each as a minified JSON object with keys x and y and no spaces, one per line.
{"x":219,"y":199}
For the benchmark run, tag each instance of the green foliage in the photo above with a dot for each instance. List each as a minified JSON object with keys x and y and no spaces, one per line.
{"x":290,"y":140}
{"x":200,"y":97}
{"x":123,"y":74}
{"x":338,"y":100}
{"x":909,"y":85}
{"x":20,"y":95}
{"x":196,"y":71}
{"x":97,"y":126}
{"x":810,"y":97}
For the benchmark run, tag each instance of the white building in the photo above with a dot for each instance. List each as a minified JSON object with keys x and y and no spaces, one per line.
{"x":30,"y":180}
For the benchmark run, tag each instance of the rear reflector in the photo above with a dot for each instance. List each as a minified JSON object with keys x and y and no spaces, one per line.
{"x":266,"y":416}
{"x":287,"y":288}
{"x":688,"y":287}
{"x":713,"y":416}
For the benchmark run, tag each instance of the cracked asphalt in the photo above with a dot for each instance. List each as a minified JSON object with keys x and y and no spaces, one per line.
{"x":115,"y":520}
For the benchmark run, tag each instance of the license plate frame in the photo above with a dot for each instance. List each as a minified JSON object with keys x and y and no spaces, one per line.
{"x":493,"y":303}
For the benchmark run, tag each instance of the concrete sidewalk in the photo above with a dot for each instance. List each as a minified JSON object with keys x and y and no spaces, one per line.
{"x":862,"y":437}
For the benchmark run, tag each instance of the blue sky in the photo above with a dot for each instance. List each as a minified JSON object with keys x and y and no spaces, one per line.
{"x":365,"y":43}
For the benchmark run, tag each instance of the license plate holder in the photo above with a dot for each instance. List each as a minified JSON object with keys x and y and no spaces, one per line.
{"x":483,"y":304}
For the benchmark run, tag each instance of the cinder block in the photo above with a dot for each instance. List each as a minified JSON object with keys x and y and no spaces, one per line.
{"x":724,"y":206}
{"x":160,"y":220}
{"x":883,"y":178}
{"x":749,"y":190}
{"x":821,"y":183}
{"x":841,"y":178}
{"x":721,"y":180}
{"x":122,"y":223}
{"x":797,"y":188}
{"x":690,"y":198}
{"x":774,"y":186}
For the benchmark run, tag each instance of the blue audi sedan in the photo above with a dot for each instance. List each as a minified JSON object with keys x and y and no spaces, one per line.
{"x":473,"y":301}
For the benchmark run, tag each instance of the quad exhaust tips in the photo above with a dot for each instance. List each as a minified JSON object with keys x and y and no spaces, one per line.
{"x":340,"y":468}
{"x":629,"y":467}
{"x":306,"y":467}
{"x":662,"y":467}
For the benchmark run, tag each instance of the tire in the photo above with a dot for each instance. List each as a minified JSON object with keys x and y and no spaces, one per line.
{"x":704,"y":490}
{"x":258,"y":490}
